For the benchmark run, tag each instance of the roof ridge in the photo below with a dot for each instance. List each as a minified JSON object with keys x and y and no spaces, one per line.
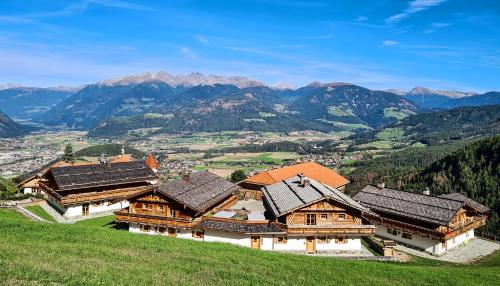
{"x":404,"y":213}
{"x":382,"y":195}
{"x":418,"y":194}
{"x":294,"y":191}
{"x":101,"y":172}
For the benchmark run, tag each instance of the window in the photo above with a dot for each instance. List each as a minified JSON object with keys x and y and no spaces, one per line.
{"x":161,"y":229}
{"x":340,"y":240}
{"x":197,"y":234}
{"x":406,"y":235}
{"x":146,"y":206}
{"x":145,"y":228}
{"x":160,"y":207}
{"x":389,"y":230}
{"x":281,"y":240}
{"x":173,"y":212}
{"x":324,"y":216}
{"x":395,"y":232}
{"x":341,"y":215}
{"x":311,"y":219}
{"x":323,"y":239}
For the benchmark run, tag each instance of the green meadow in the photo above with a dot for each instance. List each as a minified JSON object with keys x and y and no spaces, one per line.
{"x":94,"y":252}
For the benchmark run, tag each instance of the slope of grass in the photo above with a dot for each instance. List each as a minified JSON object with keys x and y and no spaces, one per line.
{"x":39,"y":211}
{"x":43,"y":254}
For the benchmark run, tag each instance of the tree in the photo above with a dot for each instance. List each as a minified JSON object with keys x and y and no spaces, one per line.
{"x":68,"y":154}
{"x":238,"y":175}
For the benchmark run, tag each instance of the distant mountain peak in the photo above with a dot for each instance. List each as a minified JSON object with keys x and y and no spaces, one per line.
{"x":191,"y":79}
{"x":9,"y":85}
{"x":418,"y":90}
{"x":329,"y":84}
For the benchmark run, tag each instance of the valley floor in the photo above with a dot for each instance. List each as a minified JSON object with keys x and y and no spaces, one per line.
{"x":94,"y":252}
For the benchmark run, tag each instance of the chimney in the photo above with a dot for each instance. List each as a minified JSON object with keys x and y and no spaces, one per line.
{"x":306,"y":182}
{"x":426,"y":192}
{"x":186,"y":176}
{"x":381,"y":185}
{"x":103,"y":159}
{"x":301,"y":178}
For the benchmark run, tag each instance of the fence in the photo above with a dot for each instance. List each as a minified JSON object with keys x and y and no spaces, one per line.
{"x":493,"y":237}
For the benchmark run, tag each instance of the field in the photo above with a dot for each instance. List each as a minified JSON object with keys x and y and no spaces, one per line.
{"x":226,"y":164}
{"x":87,"y":253}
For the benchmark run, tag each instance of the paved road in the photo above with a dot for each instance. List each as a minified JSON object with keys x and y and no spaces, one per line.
{"x":475,"y":249}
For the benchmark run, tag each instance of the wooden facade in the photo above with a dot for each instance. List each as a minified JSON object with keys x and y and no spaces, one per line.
{"x":92,"y":195}
{"x":462,"y":222}
{"x":156,"y":209}
{"x":326,"y":217}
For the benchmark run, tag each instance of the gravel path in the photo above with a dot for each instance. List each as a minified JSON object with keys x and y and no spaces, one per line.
{"x":467,"y":253}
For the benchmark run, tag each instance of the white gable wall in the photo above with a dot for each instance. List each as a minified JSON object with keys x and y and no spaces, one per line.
{"x":428,"y":245}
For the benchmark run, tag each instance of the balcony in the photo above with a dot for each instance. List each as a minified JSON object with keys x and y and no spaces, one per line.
{"x":151,"y":219}
{"x":341,"y":229}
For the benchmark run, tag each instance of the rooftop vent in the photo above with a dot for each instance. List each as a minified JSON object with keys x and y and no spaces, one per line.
{"x":186,"y":176}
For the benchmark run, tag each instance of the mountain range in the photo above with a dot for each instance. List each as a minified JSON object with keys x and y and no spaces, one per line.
{"x":444,"y":99}
{"x":30,"y":102}
{"x":197,"y":102}
{"x":114,"y":108}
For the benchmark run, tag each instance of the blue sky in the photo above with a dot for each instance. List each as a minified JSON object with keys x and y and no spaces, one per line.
{"x":440,"y":44}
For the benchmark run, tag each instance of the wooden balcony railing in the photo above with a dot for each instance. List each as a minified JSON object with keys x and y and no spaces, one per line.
{"x":331,"y":229}
{"x":125,"y":216}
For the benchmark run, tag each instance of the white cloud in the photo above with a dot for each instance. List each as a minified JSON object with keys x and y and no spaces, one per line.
{"x":202,"y":39}
{"x":361,"y":18}
{"x":414,"y":6}
{"x":389,"y":43}
{"x":440,"y":25}
{"x":71,"y":9}
{"x":188,"y":53}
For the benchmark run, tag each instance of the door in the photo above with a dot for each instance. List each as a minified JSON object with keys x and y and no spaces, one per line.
{"x":310,"y":244}
{"x":85,"y":209}
{"x":255,"y":242}
{"x":171,"y":231}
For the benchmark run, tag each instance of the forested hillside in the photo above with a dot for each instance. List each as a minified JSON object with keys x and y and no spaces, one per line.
{"x":468,"y":168}
{"x":473,"y":170}
{"x":30,"y":102}
{"x":109,"y":109}
{"x":8,"y":128}
{"x":433,"y":128}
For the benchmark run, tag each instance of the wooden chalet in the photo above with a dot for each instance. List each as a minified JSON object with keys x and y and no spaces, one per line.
{"x":433,"y":224}
{"x":252,"y":185}
{"x":80,"y":190}
{"x":175,"y":207}
{"x":317,"y":214}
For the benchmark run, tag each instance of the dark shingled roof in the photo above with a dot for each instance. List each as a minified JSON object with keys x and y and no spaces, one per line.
{"x":288,"y":195}
{"x":435,"y":210}
{"x":241,"y":227}
{"x":470,"y":202}
{"x":203,"y":190}
{"x":98,"y":175}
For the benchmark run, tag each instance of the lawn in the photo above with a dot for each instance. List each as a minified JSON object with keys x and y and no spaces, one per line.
{"x":87,"y":254}
{"x":39,"y":211}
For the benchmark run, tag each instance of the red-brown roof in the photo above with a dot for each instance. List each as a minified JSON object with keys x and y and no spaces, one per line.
{"x":151,"y":162}
{"x":312,"y":170}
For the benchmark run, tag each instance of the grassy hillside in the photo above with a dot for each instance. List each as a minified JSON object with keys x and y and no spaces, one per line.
{"x":92,"y":255}
{"x":109,"y":150}
{"x":442,"y":126}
